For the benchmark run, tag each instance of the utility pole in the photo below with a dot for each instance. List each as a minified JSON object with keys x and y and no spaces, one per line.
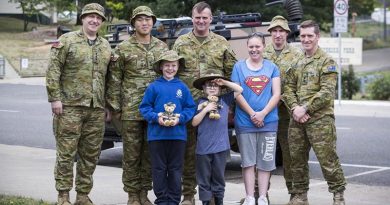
{"x":384,"y":21}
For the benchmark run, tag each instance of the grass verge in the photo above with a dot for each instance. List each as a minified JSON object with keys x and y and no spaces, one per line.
{"x":18,"y":200}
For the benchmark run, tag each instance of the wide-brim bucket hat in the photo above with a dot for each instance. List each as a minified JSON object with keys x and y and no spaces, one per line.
{"x":142,"y":10}
{"x":279,"y":21}
{"x":169,"y":56}
{"x":93,"y":8}
{"x":210,"y":74}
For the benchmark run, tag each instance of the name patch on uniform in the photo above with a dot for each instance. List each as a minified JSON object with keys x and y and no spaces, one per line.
{"x":332,"y":68}
{"x":56,"y":45}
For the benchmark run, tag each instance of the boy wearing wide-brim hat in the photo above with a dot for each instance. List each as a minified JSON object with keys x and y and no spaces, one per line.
{"x":213,"y":146}
{"x":167,"y":142}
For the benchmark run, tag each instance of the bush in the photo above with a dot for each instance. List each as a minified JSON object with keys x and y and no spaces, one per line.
{"x":18,"y":200}
{"x":380,"y":88}
{"x":350,"y":84}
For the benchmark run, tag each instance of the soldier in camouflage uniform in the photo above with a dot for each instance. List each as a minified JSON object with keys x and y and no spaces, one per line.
{"x":131,"y":71}
{"x":309,"y":92}
{"x":202,"y":50}
{"x":75,"y":82}
{"x":284,"y":56}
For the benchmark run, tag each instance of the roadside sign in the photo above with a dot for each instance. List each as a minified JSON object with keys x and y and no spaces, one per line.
{"x":351,"y":49}
{"x":24,"y":63}
{"x":341,"y":8}
{"x":340,"y":24}
{"x":340,"y":16}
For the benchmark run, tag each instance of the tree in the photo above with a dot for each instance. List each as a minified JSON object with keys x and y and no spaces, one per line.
{"x":380,"y":88}
{"x":29,"y":9}
{"x":351,"y":84}
{"x":115,"y":8}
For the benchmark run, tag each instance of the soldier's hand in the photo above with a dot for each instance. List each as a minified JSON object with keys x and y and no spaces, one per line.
{"x":298,"y":113}
{"x":56,"y":107}
{"x":305,"y":118}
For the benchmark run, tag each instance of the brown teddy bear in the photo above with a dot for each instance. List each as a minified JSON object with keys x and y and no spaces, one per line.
{"x":214,"y":114}
{"x":168,"y":116}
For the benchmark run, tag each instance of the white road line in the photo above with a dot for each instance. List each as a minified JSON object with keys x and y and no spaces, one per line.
{"x":356,"y":165}
{"x":343,"y":128}
{"x":365,"y":173}
{"x":9,"y":111}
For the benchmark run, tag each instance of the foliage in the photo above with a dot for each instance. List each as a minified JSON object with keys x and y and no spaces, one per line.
{"x":350,"y":84}
{"x":62,"y":5}
{"x":17,"y":200}
{"x":30,"y":8}
{"x":380,"y":88}
{"x":116,"y":8}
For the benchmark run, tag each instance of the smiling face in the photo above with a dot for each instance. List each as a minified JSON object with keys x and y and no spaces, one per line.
{"x":255,"y":47}
{"x":143,"y":24}
{"x":201,"y":21}
{"x":169,"y":69}
{"x":211,"y":88}
{"x":92,"y":23}
{"x":309,"y":40}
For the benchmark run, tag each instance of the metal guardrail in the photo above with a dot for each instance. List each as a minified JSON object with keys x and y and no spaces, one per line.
{"x":2,"y":67}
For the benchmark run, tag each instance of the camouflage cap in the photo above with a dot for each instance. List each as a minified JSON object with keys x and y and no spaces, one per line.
{"x":93,"y":8}
{"x":279,"y":21}
{"x":210,"y":74}
{"x":169,"y":56}
{"x":142,"y":10}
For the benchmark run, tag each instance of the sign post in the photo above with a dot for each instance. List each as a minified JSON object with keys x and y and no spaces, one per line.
{"x":340,"y":26}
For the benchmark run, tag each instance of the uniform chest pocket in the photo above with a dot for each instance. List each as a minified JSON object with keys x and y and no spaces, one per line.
{"x":78,"y":54}
{"x":130,"y":60}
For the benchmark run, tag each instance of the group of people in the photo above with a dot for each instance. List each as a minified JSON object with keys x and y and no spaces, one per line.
{"x":281,"y":94}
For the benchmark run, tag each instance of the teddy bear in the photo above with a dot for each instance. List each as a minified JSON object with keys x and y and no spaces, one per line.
{"x":168,"y":116}
{"x":214,"y":114}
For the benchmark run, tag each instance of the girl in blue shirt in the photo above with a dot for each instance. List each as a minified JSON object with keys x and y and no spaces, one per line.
{"x":256,"y":117}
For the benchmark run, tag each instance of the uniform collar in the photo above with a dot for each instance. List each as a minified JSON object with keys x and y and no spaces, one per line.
{"x":81,"y":34}
{"x":208,"y":37}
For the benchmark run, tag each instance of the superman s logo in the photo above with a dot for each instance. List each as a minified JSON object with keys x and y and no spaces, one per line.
{"x":257,"y":83}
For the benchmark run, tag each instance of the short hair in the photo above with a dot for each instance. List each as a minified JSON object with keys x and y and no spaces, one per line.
{"x":200,"y":6}
{"x":311,"y":23}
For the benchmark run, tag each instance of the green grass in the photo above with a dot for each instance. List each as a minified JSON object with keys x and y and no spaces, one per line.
{"x":14,"y":25}
{"x":18,"y":200}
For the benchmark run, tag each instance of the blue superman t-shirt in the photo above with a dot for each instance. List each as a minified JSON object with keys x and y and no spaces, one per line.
{"x":257,"y":92}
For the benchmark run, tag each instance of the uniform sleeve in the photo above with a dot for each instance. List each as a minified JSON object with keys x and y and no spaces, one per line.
{"x":229,"y":60}
{"x":176,"y":45}
{"x":328,"y":80}
{"x":114,"y":80}
{"x":57,"y":60}
{"x":147,"y":106}
{"x":289,"y":96}
{"x":189,"y":108}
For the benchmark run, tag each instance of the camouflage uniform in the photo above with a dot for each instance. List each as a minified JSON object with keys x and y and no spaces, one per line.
{"x":214,"y":52}
{"x":131,"y":71}
{"x":312,"y":83}
{"x":76,"y":77}
{"x":285,"y":60}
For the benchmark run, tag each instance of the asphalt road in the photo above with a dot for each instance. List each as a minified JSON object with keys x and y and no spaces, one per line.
{"x":363,"y":142}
